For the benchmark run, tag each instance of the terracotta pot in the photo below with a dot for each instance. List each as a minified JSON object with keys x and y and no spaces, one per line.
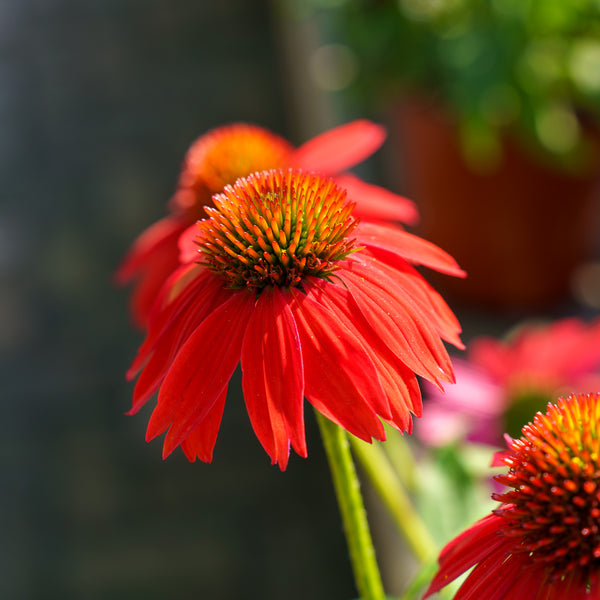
{"x":518,"y":230}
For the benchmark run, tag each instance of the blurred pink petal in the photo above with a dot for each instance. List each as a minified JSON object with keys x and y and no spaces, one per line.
{"x":537,"y":362}
{"x":470,"y":409}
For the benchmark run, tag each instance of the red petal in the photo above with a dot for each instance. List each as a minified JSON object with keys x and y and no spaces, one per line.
{"x":570,"y":588}
{"x":594,"y":585}
{"x":339,"y":148}
{"x":273,"y":377}
{"x":172,"y":338}
{"x":499,"y":457}
{"x":407,"y":396}
{"x":158,"y":237}
{"x":149,"y":284}
{"x":398,"y":381}
{"x":376,"y":203}
{"x":493,"y":576}
{"x":405,"y":279}
{"x":527,"y":583}
{"x":201,"y":371}
{"x":411,"y":247}
{"x":201,"y":440}
{"x":152,"y":258}
{"x":398,"y":322}
{"x":466,"y":550}
{"x":340,"y":378}
{"x":188,"y":249}
{"x":193,"y":283}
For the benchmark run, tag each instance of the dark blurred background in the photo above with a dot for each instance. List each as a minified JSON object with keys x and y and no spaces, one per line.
{"x":99,"y":101}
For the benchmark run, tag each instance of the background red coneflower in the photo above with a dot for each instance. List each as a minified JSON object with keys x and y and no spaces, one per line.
{"x":224,"y":154}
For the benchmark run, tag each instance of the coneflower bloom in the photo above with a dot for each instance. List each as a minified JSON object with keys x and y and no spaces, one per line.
{"x":226,"y":153}
{"x":504,"y":382}
{"x":543,"y":542}
{"x":313,"y":304}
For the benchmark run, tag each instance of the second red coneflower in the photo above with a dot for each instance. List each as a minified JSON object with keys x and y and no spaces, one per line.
{"x":314,"y":305}
{"x":543,"y":542}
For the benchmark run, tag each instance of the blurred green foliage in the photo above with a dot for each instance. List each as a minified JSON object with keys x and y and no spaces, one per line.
{"x":532,"y":66}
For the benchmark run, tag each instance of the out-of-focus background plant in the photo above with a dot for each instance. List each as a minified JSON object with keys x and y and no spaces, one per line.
{"x":100,"y":101}
{"x":530,"y":67}
{"x":504,"y":382}
{"x":496,"y":107}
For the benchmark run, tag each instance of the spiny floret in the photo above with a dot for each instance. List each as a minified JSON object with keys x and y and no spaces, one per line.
{"x":554,"y":503}
{"x":276,"y":228}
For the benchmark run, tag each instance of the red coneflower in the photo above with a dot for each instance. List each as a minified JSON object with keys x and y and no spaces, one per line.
{"x":227,"y":153}
{"x":314,"y":305}
{"x":543,"y":543}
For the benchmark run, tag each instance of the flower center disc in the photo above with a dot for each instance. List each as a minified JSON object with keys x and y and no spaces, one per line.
{"x":222,"y":156}
{"x":554,"y":504}
{"x":276,"y":228}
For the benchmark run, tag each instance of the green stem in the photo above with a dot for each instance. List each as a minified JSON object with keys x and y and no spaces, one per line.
{"x":387,"y":484}
{"x":354,"y":516}
{"x":400,"y":455}
{"x":417,"y":586}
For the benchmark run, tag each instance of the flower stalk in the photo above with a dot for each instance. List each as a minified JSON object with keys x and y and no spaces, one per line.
{"x":354,"y":517}
{"x":393,"y":494}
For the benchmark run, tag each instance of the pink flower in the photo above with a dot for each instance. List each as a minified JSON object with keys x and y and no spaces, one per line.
{"x":504,"y":382}
{"x":471,"y":409}
{"x":551,"y":358}
{"x":224,"y":154}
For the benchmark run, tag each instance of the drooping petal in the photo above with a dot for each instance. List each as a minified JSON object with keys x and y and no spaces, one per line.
{"x":491,"y":578}
{"x":594,"y":585}
{"x":399,"y":323}
{"x":340,"y":303}
{"x":172,"y":338}
{"x":570,"y":587}
{"x":499,"y":458}
{"x":340,"y":378}
{"x":151,"y":259}
{"x":530,"y":584}
{"x":466,"y":550}
{"x":194,"y":284}
{"x":148,"y":287}
{"x":406,"y":284}
{"x":414,"y":249}
{"x":406,"y":400}
{"x":201,"y":371}
{"x":186,"y":243}
{"x":339,"y":148}
{"x":376,"y":203}
{"x":399,"y":383}
{"x":273,"y":377}
{"x":201,"y":440}
{"x":403,"y":280}
{"x":152,"y":242}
